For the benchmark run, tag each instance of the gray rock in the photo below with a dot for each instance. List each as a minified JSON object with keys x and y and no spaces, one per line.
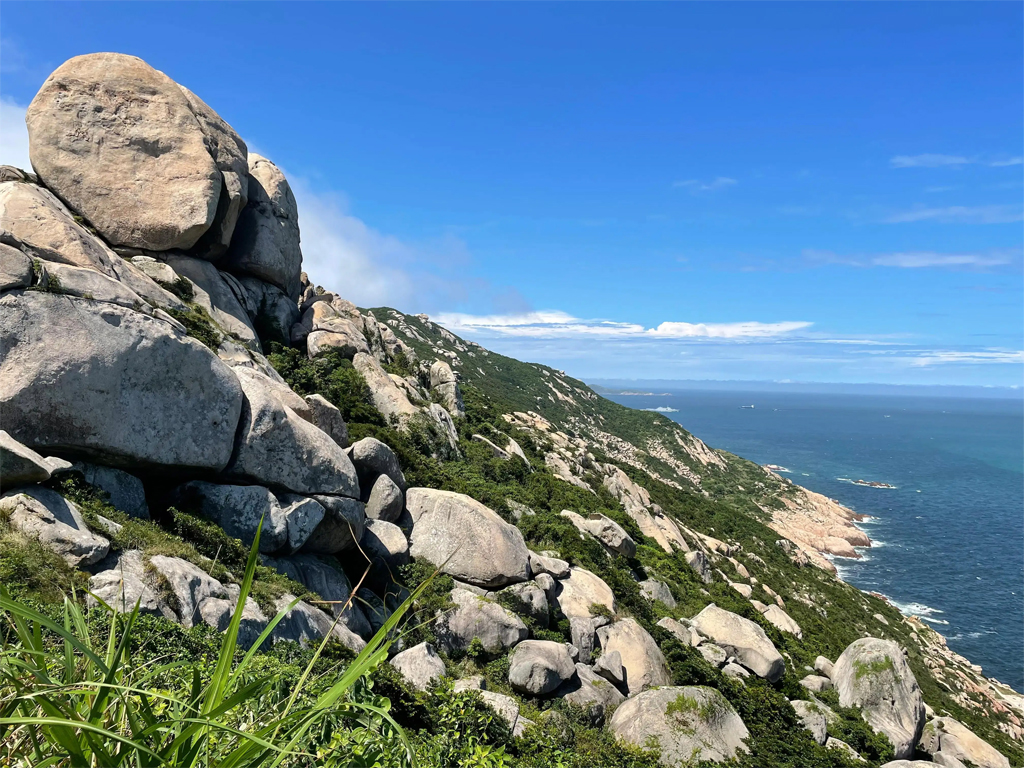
{"x":823,"y":666}
{"x":643,"y":662}
{"x":331,"y":329}
{"x":122,"y":582}
{"x":556,"y":568}
{"x":278,"y":448}
{"x":702,"y":725}
{"x":386,"y":548}
{"x":581,"y":590}
{"x":15,"y":269}
{"x":266,"y":238}
{"x":342,"y":527}
{"x":874,"y":675}
{"x":954,"y":740}
{"x":19,"y":464}
{"x":735,"y":671}
{"x":713,"y":654}
{"x":812,"y":718}
{"x":328,"y":581}
{"x":744,"y":589}
{"x":324,"y":415}
{"x":913,"y":764}
{"x":537,"y":667}
{"x":680,"y":631}
{"x":238,"y":509}
{"x":609,"y":666}
{"x":611,"y":534}
{"x":214,"y":292}
{"x":478,"y":617}
{"x":229,"y":153}
{"x":386,"y":500}
{"x":125,"y":492}
{"x":304,"y":624}
{"x":527,"y":599}
{"x":584,"y":636}
{"x":117,"y":141}
{"x":471,"y":683}
{"x":89,"y":284}
{"x":386,"y":396}
{"x":591,"y":692}
{"x":782,"y":621}
{"x":465,"y":539}
{"x":445,"y":385}
{"x":949,"y":761}
{"x":506,"y":707}
{"x":743,"y":639}
{"x":655,"y":590}
{"x":698,"y":561}
{"x":43,"y":514}
{"x":372,"y":458}
{"x":190,"y":586}
{"x":217,"y":612}
{"x":115,"y":385}
{"x":445,"y":425}
{"x":816,"y":683}
{"x":420,"y":665}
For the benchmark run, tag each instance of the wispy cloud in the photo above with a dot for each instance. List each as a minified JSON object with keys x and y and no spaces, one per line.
{"x":928,"y":161}
{"x":1007,"y":162}
{"x":960,"y":214}
{"x":955,"y":357}
{"x":551,"y":324}
{"x":918,"y":259}
{"x":696,"y":185}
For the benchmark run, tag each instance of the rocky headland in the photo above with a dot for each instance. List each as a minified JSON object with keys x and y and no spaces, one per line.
{"x":170,"y":377}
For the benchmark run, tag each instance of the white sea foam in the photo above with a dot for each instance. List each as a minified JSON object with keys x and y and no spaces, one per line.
{"x":661,"y":409}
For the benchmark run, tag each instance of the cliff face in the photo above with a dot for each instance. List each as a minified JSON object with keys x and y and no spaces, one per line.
{"x":166,"y":365}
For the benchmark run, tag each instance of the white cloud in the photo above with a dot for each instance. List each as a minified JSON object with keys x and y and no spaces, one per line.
{"x":1007,"y":162}
{"x":13,"y":135}
{"x":928,"y":161}
{"x":922,"y":259}
{"x":917,"y":259}
{"x":696,"y":185}
{"x":555,"y":324}
{"x":985,"y":357}
{"x":960,"y":214}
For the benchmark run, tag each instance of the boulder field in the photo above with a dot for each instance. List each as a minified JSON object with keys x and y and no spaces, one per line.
{"x":146,"y":269}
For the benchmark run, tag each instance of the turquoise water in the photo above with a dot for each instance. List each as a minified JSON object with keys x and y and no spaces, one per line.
{"x":948,"y":539}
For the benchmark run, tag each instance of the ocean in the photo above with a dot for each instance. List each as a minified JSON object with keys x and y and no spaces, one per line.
{"x":948,"y":540}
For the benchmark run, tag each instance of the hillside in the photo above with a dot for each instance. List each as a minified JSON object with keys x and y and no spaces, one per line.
{"x":497,"y":565}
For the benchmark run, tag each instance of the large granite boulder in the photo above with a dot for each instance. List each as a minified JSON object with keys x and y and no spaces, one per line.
{"x":537,"y":667}
{"x":688,"y":723}
{"x":41,"y":226}
{"x":272,"y":313}
{"x":372,"y":458}
{"x":592,"y":692}
{"x":743,"y":639}
{"x":444,"y":384}
{"x":386,"y":500}
{"x":118,"y":141}
{"x":812,"y":718}
{"x":305,"y":625}
{"x":214,"y":291}
{"x":466,"y":539}
{"x":15,"y":268}
{"x":643,"y":662}
{"x":121,"y":581}
{"x":386,"y":395}
{"x":323,"y":414}
{"x":328,"y":581}
{"x":279,"y":448}
{"x":288,"y":520}
{"x":383,"y":549}
{"x":124,"y":491}
{"x":231,"y":157}
{"x":44,"y":514}
{"x":605,"y":530}
{"x":331,"y":325}
{"x":478,"y":617}
{"x":266,"y":238}
{"x":342,"y":527}
{"x":658,"y":591}
{"x":527,"y":599}
{"x":578,"y":592}
{"x":113,"y":385}
{"x":782,"y":620}
{"x":874,"y":676}
{"x":19,"y":464}
{"x":420,"y":665}
{"x":952,"y":738}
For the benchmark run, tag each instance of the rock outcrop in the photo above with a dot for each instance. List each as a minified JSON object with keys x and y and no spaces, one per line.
{"x":643,"y":662}
{"x":477,"y":617}
{"x":688,"y":723}
{"x":466,"y":539}
{"x":874,"y":676}
{"x":118,"y":141}
{"x":743,"y":639}
{"x":420,"y":665}
{"x":951,"y":738}
{"x":56,"y":522}
{"x":537,"y":667}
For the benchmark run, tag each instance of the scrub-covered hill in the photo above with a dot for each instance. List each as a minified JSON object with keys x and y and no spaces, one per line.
{"x":463,"y":559}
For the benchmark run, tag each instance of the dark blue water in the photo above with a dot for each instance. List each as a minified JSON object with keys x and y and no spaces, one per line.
{"x":949,"y":540}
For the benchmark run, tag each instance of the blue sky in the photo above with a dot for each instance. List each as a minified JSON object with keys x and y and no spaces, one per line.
{"x":814,"y":192}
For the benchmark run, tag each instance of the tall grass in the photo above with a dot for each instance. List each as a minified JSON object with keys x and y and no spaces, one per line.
{"x":67,"y":701}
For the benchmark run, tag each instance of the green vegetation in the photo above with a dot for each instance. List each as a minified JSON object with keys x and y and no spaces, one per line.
{"x":871,"y":668}
{"x":198,"y":324}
